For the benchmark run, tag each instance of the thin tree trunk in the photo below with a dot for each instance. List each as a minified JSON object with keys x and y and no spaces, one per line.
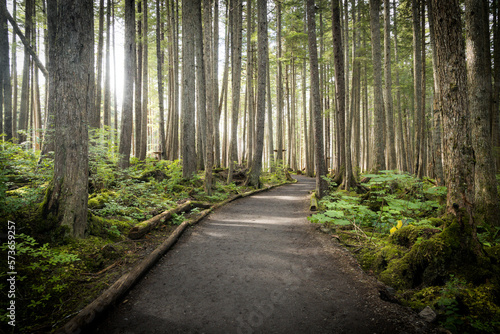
{"x":417,"y":84}
{"x":236,"y":36}
{"x":279,"y":88}
{"x":437,"y":113}
{"x":188,"y":85}
{"x":144,"y":114}
{"x":379,"y":158}
{"x":225,"y":92}
{"x":321,"y":185}
{"x":215,"y":88}
{"x":249,"y":85}
{"x":138,"y":84}
{"x":210,"y":93}
{"x":128,"y":85}
{"x":391,"y":142}
{"x":95,"y":118}
{"x":5,"y":88}
{"x":254,"y":174}
{"x":201,"y":99}
{"x":107,"y":75}
{"x":400,"y":143}
{"x":160,"y":57}
{"x":24,"y":107}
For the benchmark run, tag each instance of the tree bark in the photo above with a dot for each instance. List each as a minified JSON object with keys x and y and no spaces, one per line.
{"x":5,"y":87}
{"x":73,"y":75}
{"x":255,"y":170}
{"x":417,"y":85}
{"x":480,"y":92}
{"x":128,"y":85}
{"x":143,"y":149}
{"x":279,"y":88}
{"x":107,"y":74}
{"x":160,"y":58}
{"x":210,"y":93}
{"x":138,"y":84}
{"x":379,"y":158}
{"x":236,"y":36}
{"x":452,"y":79}
{"x":95,"y":117}
{"x":321,"y":184}
{"x":188,"y":86}
{"x":391,"y":142}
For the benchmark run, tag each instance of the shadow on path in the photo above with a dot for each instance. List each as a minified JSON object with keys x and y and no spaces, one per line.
{"x":258,"y":266}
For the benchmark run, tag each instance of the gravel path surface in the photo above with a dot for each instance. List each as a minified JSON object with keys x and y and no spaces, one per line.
{"x":258,"y":266}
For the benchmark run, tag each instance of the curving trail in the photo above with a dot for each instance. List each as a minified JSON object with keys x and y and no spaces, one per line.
{"x":258,"y":266}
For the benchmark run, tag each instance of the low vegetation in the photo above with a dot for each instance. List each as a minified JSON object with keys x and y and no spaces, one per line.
{"x":56,"y":276}
{"x":398,"y":231}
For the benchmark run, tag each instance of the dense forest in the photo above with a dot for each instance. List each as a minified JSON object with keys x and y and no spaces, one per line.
{"x":113,"y":111}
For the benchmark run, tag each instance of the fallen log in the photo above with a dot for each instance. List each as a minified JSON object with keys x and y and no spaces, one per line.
{"x":141,"y":229}
{"x":314,"y":202}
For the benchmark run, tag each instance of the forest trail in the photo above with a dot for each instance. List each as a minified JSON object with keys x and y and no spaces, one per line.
{"x":258,"y":266}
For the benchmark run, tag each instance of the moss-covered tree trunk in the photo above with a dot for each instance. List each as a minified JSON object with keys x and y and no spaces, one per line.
{"x":452,"y":80}
{"x":72,"y":58}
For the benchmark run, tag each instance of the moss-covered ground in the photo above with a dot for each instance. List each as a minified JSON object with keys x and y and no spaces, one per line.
{"x":56,"y":276}
{"x":399,"y":232}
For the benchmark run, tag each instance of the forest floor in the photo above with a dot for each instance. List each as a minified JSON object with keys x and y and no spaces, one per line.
{"x":258,"y":266}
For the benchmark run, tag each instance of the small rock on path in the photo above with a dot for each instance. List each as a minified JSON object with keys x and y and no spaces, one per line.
{"x":258,"y":266}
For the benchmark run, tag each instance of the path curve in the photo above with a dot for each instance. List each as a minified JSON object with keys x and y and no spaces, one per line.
{"x":258,"y":266}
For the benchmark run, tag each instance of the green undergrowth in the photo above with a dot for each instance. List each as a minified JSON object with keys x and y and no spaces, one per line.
{"x":56,"y":276}
{"x":399,"y":232}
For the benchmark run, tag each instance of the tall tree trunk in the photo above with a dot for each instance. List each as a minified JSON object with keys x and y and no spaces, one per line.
{"x":224,"y":93}
{"x":391,"y":142}
{"x":95,"y":118}
{"x":5,"y":87}
{"x":340,"y":93}
{"x":270,"y":142}
{"x":128,"y":85}
{"x":236,"y":36}
{"x":215,"y":88}
{"x":107,"y":73}
{"x":210,"y":93}
{"x":279,"y":89}
{"x":188,"y":85}
{"x":249,"y":85}
{"x":400,"y":142}
{"x":479,"y":89}
{"x":24,"y":107}
{"x":14,"y":79}
{"x":255,"y":170}
{"x":138,"y":84}
{"x":160,"y":58}
{"x":452,"y":79}
{"x":73,"y":71}
{"x":321,"y":185}
{"x":144,"y":114}
{"x":437,"y":113}
{"x":495,"y":121}
{"x":201,"y":91}
{"x":379,"y":158}
{"x":417,"y":86}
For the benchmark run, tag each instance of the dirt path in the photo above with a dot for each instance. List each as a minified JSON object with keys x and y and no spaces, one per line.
{"x":258,"y":266}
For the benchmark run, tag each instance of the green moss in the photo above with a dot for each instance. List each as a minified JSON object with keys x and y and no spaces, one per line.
{"x":431,"y":261}
{"x":98,"y":201}
{"x":106,"y":228}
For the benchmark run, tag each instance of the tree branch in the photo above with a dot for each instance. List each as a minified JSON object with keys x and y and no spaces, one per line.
{"x":28,"y":47}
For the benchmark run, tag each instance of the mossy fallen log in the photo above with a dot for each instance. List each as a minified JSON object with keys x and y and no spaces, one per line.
{"x":314,"y":203}
{"x":141,"y":229}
